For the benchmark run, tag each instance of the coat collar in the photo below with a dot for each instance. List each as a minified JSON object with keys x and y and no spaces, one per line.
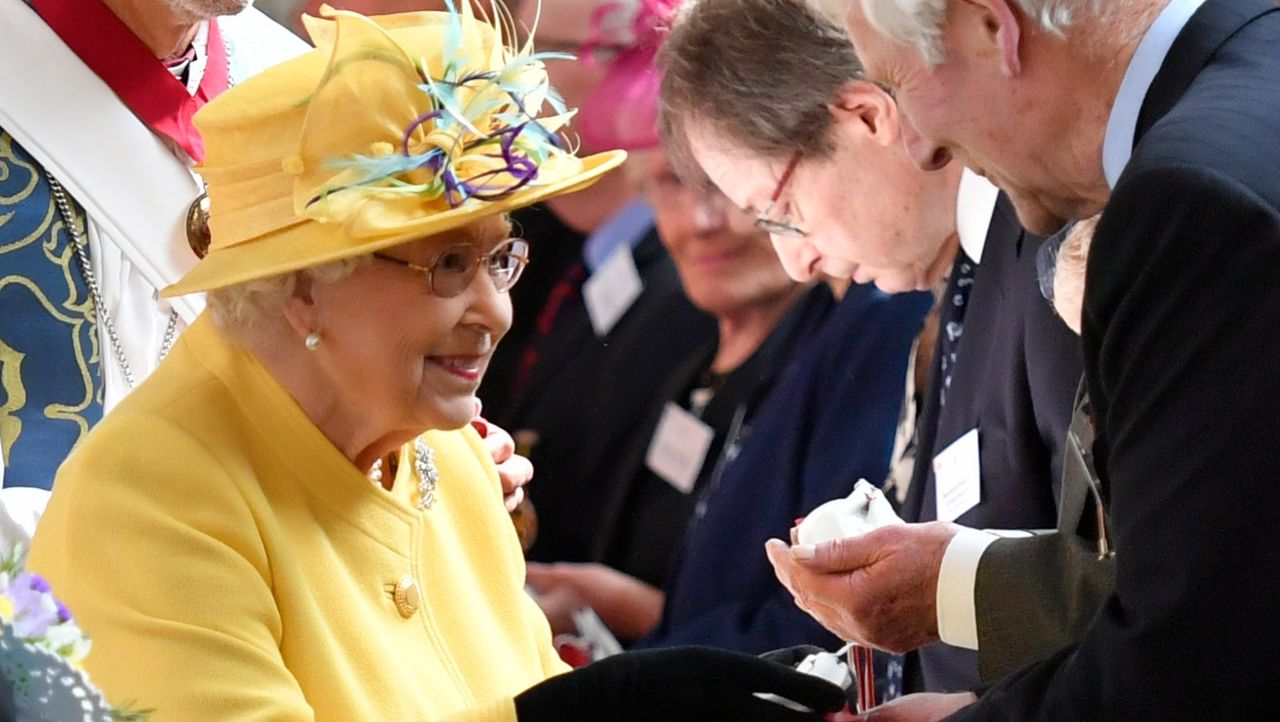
{"x":1212,"y":26}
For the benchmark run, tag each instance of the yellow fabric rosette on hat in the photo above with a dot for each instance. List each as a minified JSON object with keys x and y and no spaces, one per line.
{"x":394,"y":128}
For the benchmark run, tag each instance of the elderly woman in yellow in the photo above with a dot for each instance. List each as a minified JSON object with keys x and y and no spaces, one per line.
{"x":291,"y":519}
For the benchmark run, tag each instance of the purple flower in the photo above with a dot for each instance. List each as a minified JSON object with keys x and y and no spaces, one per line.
{"x":34,"y":608}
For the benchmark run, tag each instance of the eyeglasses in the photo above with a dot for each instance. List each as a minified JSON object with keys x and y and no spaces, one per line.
{"x":780,"y":226}
{"x":453,"y":269}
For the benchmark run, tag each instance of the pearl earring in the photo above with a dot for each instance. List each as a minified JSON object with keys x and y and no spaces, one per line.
{"x":313,"y":341}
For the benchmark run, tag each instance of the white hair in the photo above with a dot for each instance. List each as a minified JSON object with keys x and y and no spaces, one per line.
{"x":244,"y":305}
{"x":1069,"y":272}
{"x":919,"y":23}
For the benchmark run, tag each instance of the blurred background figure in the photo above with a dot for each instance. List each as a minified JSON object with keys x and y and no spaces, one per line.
{"x":656,"y":475}
{"x":602,"y":322}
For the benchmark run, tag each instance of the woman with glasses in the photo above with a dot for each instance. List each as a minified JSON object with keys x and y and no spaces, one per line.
{"x":291,"y":519}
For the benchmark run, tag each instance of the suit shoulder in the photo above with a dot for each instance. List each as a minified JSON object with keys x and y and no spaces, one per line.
{"x":1225,"y":124}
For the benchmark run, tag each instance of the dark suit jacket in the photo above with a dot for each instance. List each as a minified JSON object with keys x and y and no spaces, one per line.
{"x":1180,"y":323}
{"x":1016,"y":372}
{"x":588,"y":394}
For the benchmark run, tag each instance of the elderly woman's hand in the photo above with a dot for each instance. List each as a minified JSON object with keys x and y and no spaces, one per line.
{"x":514,"y":470}
{"x":628,"y":606}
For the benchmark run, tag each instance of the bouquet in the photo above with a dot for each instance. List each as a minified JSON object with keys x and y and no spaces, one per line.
{"x":41,"y":649}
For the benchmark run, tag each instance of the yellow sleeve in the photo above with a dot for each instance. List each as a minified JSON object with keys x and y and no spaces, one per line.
{"x":503,"y":710}
{"x":192,"y":633}
{"x":551,"y":662}
{"x":533,"y":616}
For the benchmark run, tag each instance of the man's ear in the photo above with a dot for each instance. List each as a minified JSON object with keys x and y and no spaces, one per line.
{"x":862,"y":107}
{"x":300,"y":309}
{"x":999,"y":25}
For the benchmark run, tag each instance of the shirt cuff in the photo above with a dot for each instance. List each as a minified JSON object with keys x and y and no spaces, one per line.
{"x":957,"y":576}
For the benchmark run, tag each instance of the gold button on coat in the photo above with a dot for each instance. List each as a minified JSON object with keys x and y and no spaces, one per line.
{"x":406,"y":596}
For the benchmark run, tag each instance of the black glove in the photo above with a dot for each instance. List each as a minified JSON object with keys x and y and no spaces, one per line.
{"x":791,"y":656}
{"x":696,"y":684}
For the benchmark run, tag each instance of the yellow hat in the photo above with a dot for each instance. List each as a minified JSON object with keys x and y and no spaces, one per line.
{"x":395,"y":128}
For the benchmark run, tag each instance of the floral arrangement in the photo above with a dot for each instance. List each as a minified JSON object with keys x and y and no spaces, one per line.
{"x":41,"y":649}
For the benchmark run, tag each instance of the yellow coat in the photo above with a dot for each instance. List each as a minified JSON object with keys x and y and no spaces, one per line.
{"x":231,"y":564}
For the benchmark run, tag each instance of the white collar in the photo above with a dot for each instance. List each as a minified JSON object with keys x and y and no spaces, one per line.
{"x":195,"y":67}
{"x":1117,"y":144}
{"x":975,"y":205}
{"x":201,"y":61}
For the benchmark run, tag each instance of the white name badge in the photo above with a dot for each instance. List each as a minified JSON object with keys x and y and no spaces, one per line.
{"x":958,"y":475}
{"x":612,"y":289}
{"x":679,"y":447}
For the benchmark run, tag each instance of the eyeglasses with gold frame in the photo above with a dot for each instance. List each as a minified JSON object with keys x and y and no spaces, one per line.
{"x":453,"y":269}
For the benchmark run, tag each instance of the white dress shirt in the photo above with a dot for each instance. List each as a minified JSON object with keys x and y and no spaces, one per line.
{"x":975,"y":205}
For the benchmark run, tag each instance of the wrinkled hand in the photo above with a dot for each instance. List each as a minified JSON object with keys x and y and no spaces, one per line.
{"x":627,"y":605}
{"x":923,"y":707}
{"x":878,"y":589}
{"x":514,"y":470}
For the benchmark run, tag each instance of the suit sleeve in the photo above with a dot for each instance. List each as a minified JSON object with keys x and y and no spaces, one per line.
{"x":1180,"y":327}
{"x":1035,"y":595}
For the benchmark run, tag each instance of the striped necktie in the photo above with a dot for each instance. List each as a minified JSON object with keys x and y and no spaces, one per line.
{"x":953,"y":312}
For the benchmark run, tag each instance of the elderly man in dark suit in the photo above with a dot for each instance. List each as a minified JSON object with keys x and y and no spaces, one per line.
{"x":1167,"y":112}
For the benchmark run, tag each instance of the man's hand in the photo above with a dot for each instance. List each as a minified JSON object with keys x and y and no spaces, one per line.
{"x":923,"y":707}
{"x":514,"y":470}
{"x":878,"y":589}
{"x":627,"y":605}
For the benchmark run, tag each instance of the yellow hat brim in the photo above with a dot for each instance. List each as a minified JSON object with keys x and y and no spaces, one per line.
{"x":310,"y":243}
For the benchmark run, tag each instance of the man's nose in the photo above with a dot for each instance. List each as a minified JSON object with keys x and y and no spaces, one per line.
{"x":926,"y":154}
{"x":799,"y":259}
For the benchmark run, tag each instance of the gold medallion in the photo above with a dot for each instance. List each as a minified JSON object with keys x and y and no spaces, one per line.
{"x":198,"y":236}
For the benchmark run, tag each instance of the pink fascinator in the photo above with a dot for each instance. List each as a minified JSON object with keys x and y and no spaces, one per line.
{"x":622,"y":112}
